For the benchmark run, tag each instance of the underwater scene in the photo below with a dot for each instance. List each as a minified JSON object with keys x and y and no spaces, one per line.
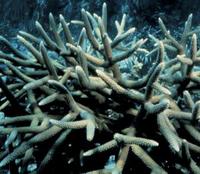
{"x":99,"y":87}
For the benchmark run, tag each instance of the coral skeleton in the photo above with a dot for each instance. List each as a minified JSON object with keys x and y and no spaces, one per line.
{"x":53,"y":104}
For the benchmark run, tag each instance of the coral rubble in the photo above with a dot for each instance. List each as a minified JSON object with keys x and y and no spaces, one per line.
{"x":62,"y":92}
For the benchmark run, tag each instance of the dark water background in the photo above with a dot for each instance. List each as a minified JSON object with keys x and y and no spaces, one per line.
{"x":21,"y":14}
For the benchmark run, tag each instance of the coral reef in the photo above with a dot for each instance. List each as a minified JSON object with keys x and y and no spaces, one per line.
{"x":65,"y":100}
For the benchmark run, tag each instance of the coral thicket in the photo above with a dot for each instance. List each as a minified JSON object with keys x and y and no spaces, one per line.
{"x":69,"y":92}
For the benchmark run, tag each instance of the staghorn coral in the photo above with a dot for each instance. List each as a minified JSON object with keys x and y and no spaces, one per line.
{"x":47,"y":101}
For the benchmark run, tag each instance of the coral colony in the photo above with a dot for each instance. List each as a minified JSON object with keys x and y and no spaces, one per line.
{"x":48,"y":105}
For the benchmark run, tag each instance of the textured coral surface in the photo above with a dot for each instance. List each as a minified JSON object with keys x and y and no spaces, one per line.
{"x":67,"y":103}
